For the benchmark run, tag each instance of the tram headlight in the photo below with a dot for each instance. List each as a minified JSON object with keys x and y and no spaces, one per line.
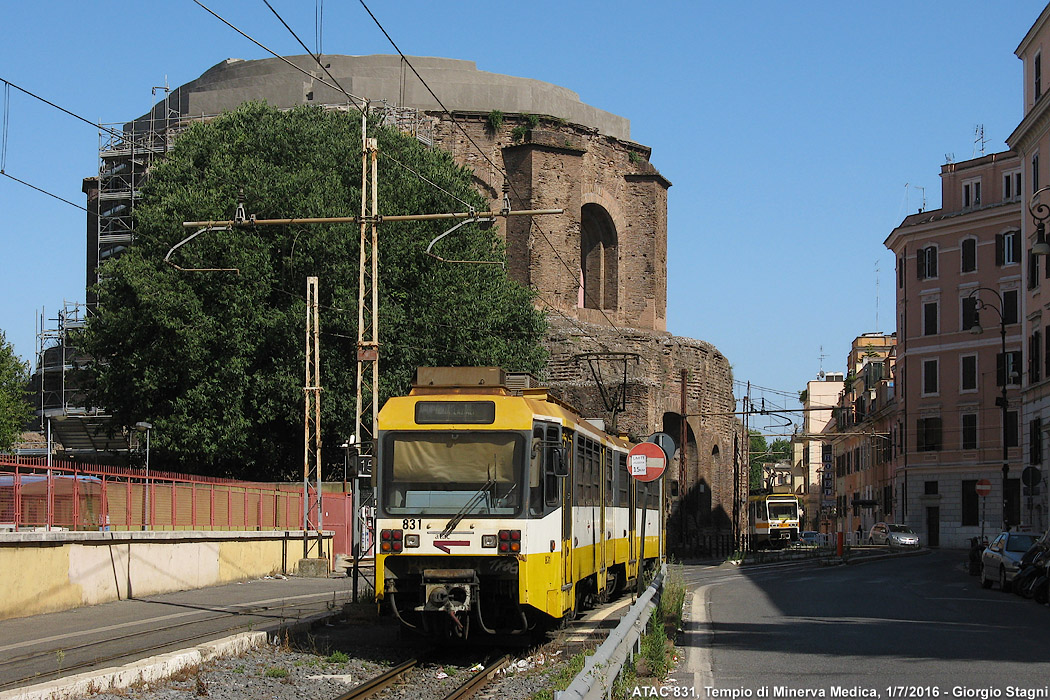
{"x":488,"y":541}
{"x":411,"y":540}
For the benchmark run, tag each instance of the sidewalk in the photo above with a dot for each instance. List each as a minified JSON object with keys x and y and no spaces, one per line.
{"x":55,"y":646}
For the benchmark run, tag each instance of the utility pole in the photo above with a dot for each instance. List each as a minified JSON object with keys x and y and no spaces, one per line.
{"x":312,"y":422}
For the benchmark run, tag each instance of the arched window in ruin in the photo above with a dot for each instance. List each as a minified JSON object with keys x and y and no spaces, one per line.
{"x":599,"y":258}
{"x":715,"y":454}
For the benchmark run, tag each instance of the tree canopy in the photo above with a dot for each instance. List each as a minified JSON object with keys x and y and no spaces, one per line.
{"x":15,"y":410}
{"x":215,"y":360}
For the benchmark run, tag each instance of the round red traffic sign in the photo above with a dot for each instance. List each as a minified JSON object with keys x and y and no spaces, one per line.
{"x":646,"y":461}
{"x":983,"y":487}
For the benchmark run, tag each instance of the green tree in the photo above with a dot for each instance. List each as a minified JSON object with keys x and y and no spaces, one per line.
{"x":215,"y":360}
{"x":15,"y":410}
{"x":763,"y":453}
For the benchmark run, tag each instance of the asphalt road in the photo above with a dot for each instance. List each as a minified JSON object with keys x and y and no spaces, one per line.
{"x":908,"y":627}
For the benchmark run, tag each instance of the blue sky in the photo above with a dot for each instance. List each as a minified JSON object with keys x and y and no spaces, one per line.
{"x":788,"y":130}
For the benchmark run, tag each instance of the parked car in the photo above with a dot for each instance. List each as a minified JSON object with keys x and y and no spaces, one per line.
{"x":1000,"y":561}
{"x":808,"y":538}
{"x":893,"y":535}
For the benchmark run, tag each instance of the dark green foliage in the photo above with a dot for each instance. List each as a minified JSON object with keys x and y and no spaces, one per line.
{"x":15,"y":410}
{"x":215,"y":360}
{"x":494,"y":122}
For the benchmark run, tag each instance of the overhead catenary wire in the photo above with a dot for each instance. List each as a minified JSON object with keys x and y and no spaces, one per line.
{"x":352,"y":98}
{"x":480,"y":151}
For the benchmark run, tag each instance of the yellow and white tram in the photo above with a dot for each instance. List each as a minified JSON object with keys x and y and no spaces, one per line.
{"x":501,"y":510}
{"x":773,"y":520}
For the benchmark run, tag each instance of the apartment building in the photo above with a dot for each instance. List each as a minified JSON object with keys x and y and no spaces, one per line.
{"x":860,"y":435}
{"x":812,"y":453}
{"x":960,"y":295}
{"x":1031,"y":141}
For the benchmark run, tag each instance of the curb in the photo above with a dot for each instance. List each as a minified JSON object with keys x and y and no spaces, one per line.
{"x":159,"y":667}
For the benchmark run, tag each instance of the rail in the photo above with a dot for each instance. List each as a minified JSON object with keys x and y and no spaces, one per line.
{"x":600,"y":670}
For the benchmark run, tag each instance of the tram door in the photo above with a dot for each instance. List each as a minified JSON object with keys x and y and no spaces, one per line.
{"x":605,"y":496}
{"x":632,"y":524}
{"x":567,"y":489}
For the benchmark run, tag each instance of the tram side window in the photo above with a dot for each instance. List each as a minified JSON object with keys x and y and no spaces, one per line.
{"x":608,"y":466}
{"x":552,"y":483}
{"x":536,"y":469}
{"x":623,"y":481}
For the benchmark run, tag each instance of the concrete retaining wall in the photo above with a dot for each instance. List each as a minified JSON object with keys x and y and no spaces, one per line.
{"x":49,"y":571}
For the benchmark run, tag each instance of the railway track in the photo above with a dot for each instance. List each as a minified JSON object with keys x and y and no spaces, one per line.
{"x":463,"y":691}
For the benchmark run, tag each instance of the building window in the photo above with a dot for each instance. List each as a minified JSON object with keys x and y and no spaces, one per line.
{"x":929,"y":318}
{"x":929,"y":377}
{"x":1011,"y":306}
{"x":1012,"y":427}
{"x":1037,"y":76}
{"x":1035,"y":441}
{"x":972,"y":193}
{"x":1011,"y":185}
{"x":1012,"y":367}
{"x":900,"y":271}
{"x":970,"y":501}
{"x":968,"y":380}
{"x":970,"y":317}
{"x":1035,"y":357}
{"x":930,"y":488}
{"x":969,"y":431}
{"x":1033,"y":269}
{"x":1046,"y":356}
{"x":1035,"y":173}
{"x":926,"y":262}
{"x":1007,"y":248}
{"x":928,"y":433}
{"x":969,"y":255}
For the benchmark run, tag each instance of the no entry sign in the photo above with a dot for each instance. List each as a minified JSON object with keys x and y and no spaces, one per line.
{"x":646,"y":461}
{"x":983,"y":487}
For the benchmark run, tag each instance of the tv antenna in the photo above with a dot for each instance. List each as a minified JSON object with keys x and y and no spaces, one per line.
{"x":978,"y":139}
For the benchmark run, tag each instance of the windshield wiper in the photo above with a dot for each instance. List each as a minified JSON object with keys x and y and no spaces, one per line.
{"x":473,"y":501}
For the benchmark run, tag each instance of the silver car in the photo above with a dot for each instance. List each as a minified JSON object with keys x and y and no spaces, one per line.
{"x":1000,"y":559}
{"x":893,"y":535}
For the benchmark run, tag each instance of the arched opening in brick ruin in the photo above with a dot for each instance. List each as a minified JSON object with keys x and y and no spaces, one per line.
{"x":599,"y":258}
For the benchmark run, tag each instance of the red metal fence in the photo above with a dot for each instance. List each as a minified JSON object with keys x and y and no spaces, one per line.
{"x":78,"y":496}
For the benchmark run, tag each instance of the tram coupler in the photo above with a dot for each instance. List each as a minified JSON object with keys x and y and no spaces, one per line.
{"x":450,"y":590}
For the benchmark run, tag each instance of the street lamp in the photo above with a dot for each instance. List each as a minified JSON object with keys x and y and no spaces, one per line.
{"x":1040,"y":212}
{"x":144,"y":426}
{"x":1005,"y":378}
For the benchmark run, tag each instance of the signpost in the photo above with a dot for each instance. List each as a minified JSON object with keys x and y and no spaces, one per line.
{"x":646,"y":462}
{"x":983,"y":488}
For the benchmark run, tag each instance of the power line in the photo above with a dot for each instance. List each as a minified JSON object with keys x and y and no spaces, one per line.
{"x":278,"y":56}
{"x":43,"y":191}
{"x":481,"y":152}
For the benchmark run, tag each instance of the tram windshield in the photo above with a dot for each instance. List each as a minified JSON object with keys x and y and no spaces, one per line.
{"x":783,"y":510}
{"x":445,"y":473}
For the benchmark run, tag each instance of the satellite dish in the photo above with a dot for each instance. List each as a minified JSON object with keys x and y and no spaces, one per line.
{"x":821,"y":374}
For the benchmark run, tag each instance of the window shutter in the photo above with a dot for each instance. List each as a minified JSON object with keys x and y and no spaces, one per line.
{"x":920,"y":435}
{"x":920,"y":263}
{"x":1017,"y":246}
{"x":931,"y":261}
{"x":1000,"y":256}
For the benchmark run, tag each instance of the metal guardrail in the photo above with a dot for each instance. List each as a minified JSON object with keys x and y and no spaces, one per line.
{"x":601,"y":669}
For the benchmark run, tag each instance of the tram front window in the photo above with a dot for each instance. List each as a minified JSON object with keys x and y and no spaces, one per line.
{"x":783,"y":511}
{"x":444,"y":473}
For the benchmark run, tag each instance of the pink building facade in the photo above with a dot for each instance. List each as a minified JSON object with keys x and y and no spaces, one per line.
{"x":1031,"y":141}
{"x":959,"y":269}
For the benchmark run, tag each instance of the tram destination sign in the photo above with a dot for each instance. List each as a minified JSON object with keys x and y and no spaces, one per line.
{"x":474,"y":412}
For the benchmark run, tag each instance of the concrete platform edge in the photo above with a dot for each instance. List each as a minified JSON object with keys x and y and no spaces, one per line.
{"x":159,"y":667}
